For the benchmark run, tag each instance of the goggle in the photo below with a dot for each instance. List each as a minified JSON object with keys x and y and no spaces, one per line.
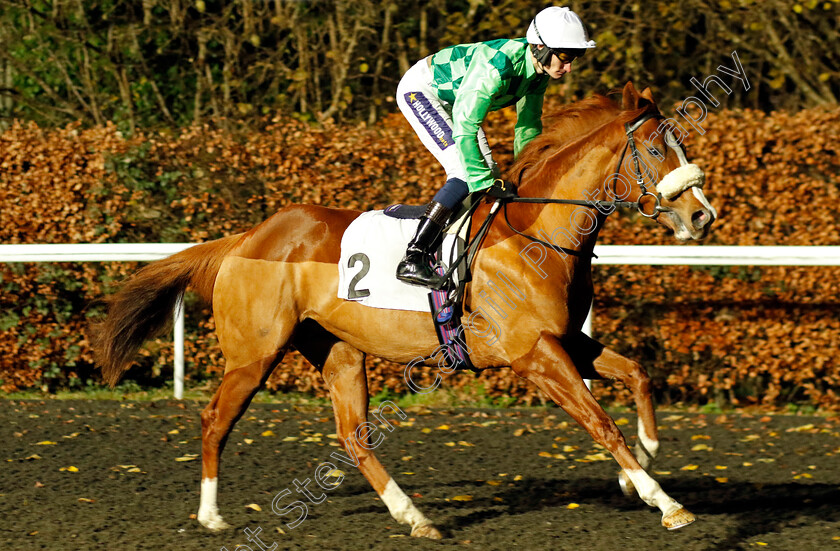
{"x":567,"y":56}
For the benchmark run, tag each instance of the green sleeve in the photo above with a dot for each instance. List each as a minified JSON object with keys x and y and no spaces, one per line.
{"x":528,"y":121}
{"x":481,"y":83}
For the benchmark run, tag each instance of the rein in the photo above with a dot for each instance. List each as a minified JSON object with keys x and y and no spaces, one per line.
{"x":629,"y":129}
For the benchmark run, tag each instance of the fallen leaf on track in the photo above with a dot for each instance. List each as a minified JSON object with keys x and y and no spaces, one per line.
{"x":254,"y":507}
{"x":803,"y":428}
{"x":462,"y":498}
{"x":71,"y":469}
{"x":598,"y":457}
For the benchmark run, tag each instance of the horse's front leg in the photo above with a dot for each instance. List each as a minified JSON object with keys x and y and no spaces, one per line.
{"x":552,"y":369}
{"x":594,"y":360}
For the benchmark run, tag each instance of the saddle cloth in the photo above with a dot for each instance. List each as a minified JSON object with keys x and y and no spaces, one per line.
{"x":371,"y":248}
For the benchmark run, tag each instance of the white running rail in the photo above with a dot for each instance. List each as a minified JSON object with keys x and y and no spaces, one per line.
{"x":700,"y":255}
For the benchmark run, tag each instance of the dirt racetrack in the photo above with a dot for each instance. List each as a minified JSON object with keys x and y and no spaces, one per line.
{"x":107,"y":475}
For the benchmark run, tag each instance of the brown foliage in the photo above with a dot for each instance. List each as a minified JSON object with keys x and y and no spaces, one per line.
{"x":741,"y":334}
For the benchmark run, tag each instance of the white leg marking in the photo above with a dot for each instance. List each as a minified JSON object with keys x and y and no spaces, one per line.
{"x":651,"y":493}
{"x":705,"y":202}
{"x":401,"y":506}
{"x":208,"y":511}
{"x":646,"y":448}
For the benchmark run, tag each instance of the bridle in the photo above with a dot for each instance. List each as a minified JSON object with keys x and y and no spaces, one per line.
{"x":629,"y":128}
{"x":610,"y":205}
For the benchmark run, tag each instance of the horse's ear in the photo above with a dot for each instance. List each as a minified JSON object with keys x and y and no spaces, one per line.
{"x":629,"y":97}
{"x":647,"y":94}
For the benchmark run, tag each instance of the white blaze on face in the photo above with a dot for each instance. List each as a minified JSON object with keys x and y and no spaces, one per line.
{"x":705,"y":202}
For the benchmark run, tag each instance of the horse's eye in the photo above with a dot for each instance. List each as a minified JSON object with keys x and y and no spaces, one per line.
{"x":656,"y":152}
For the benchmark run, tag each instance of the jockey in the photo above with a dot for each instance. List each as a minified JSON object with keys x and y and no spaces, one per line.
{"x":446,"y":97}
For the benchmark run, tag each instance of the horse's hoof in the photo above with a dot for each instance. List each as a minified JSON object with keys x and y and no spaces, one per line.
{"x":214,"y":523}
{"x":679,"y":518}
{"x":426,"y":531}
{"x":627,"y":487}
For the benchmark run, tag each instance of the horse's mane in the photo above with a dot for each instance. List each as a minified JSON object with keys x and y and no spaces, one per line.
{"x":569,"y":125}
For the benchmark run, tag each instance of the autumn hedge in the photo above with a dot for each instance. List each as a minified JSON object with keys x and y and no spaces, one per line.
{"x":734,"y":335}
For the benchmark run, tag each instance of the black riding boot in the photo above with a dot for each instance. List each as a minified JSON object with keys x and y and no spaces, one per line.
{"x":415,"y":268}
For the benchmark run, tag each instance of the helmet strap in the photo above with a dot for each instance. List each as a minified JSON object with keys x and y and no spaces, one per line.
{"x":543,"y":56}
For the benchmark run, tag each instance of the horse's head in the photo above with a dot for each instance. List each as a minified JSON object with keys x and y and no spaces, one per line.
{"x":671,"y":188}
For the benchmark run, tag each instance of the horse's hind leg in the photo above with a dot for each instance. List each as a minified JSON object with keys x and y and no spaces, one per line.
{"x":254,"y":322}
{"x":344,"y":373}
{"x":594,"y":359}
{"x":217,"y":419}
{"x":553,"y":370}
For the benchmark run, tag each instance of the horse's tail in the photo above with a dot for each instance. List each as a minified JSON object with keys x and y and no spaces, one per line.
{"x":142,"y":309}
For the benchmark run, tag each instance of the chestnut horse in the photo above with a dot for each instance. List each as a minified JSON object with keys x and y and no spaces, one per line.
{"x":275,"y":287}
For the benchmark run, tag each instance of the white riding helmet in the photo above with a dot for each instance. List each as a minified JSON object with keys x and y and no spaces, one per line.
{"x":559,"y":28}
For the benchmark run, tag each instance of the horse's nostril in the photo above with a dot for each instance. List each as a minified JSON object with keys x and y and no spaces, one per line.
{"x":700,"y":218}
